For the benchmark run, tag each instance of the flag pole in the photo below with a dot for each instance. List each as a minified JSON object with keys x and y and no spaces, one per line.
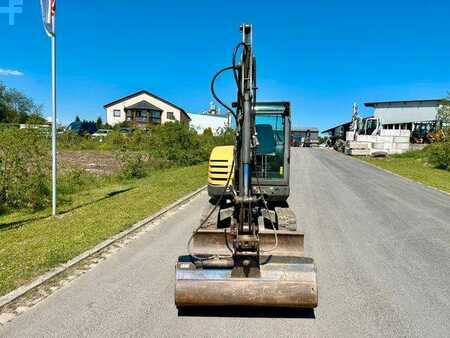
{"x":54,"y":121}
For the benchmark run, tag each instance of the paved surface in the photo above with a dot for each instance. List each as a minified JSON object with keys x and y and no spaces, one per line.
{"x":381,"y":244}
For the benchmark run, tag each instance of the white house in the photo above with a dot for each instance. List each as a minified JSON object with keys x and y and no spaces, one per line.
{"x":143,"y":109}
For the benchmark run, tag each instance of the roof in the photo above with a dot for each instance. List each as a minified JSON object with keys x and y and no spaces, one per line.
{"x":222,"y":116}
{"x":339,"y":125}
{"x":143,"y":105}
{"x":305,"y":129}
{"x":270,"y":105}
{"x":75,"y":125}
{"x":150,"y":94}
{"x":373,"y":104}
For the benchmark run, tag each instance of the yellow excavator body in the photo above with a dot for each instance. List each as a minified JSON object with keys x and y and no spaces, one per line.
{"x":219,"y":168}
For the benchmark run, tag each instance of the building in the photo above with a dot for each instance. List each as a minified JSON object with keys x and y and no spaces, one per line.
{"x":300,"y":136}
{"x":143,"y":109}
{"x":216,"y":123}
{"x":338,"y":131}
{"x":212,"y":119}
{"x":405,"y":114}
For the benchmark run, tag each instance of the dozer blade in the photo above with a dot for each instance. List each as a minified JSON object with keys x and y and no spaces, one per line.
{"x":283,"y":282}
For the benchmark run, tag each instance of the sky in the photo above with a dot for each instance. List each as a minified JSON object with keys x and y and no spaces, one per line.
{"x":320,"y":55}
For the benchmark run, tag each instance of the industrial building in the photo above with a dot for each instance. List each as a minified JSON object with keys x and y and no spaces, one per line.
{"x":304,"y":137}
{"x":211,"y":119}
{"x":388,"y":130}
{"x":405,"y":114}
{"x":216,"y":123}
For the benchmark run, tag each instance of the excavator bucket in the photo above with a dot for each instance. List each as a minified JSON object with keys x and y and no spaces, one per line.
{"x":284,"y":282}
{"x":285,"y":278}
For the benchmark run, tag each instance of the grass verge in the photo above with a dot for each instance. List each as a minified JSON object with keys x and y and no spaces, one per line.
{"x":32,"y":244}
{"x":414,"y":166}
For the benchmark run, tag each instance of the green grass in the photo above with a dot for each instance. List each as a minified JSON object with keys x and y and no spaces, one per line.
{"x":33,"y":243}
{"x":413,"y":165}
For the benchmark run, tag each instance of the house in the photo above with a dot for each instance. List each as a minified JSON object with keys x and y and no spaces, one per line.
{"x":143,"y":109}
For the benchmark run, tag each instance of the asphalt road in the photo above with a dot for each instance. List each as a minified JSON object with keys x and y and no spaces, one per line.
{"x":381,"y":244}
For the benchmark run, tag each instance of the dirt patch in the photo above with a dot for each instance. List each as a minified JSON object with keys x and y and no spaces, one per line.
{"x":92,"y":161}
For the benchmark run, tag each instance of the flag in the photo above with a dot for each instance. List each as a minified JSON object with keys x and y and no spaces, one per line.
{"x":48,"y":16}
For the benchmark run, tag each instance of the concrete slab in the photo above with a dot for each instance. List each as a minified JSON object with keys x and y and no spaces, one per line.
{"x":357,"y":145}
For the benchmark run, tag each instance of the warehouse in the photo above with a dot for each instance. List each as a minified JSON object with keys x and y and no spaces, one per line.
{"x":405,"y":114}
{"x":211,"y":119}
{"x":201,"y":122}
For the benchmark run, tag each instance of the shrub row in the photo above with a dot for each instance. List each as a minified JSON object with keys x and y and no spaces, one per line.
{"x":25,"y":159}
{"x":24,"y":169}
{"x":171,"y":143}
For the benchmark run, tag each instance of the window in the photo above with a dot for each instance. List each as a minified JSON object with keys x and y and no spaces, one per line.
{"x":270,"y":148}
{"x":116,"y":112}
{"x":155,"y":117}
{"x":129,"y":115}
{"x":170,"y":115}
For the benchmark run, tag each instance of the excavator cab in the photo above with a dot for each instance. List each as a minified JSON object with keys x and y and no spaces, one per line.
{"x":270,"y":175}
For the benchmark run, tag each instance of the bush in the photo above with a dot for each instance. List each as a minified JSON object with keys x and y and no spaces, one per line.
{"x":134,"y":164}
{"x":115,"y":140}
{"x":439,"y":154}
{"x":24,"y":169}
{"x":73,"y":141}
{"x":25,"y":159}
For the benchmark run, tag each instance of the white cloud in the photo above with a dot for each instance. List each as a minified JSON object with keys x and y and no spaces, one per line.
{"x":10,"y":72}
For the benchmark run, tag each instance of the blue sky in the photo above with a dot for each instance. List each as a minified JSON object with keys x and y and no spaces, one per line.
{"x":320,"y":55}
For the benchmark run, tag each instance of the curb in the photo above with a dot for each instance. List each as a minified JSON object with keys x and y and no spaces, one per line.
{"x":20,"y":291}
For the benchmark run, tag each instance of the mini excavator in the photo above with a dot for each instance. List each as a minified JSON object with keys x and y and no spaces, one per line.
{"x":248,"y":249}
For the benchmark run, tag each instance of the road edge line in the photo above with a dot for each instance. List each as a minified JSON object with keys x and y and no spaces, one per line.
{"x":22,"y":290}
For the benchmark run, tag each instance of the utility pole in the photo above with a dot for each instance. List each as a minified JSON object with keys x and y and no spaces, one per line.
{"x":48,"y":17}
{"x":54,"y":121}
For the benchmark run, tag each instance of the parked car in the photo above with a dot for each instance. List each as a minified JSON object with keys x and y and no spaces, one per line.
{"x":101,"y":133}
{"x":125,"y":130}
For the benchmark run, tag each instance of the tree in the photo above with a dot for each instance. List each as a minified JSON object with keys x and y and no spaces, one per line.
{"x":99,"y":122}
{"x":87,"y":127}
{"x":207,"y":132}
{"x":443,"y":115}
{"x":36,"y":118}
{"x":16,"y":107}
{"x":77,"y":119}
